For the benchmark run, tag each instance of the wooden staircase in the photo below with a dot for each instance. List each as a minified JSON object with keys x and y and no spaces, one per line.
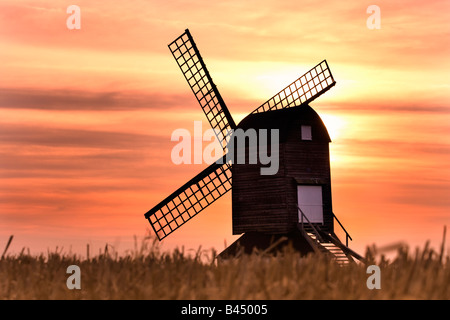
{"x":324,"y":246}
{"x":327,"y":242}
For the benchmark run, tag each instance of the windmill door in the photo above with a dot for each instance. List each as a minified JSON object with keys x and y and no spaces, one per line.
{"x":310,"y":202}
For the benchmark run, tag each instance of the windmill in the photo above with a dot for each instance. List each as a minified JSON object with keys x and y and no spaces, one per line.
{"x":294,"y":203}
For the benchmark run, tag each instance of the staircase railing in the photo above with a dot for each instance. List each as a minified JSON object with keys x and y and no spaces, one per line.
{"x":302,"y":215}
{"x":329,"y":237}
{"x":347,"y":235}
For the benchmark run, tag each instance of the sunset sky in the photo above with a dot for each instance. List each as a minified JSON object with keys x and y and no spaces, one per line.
{"x":86,"y":116}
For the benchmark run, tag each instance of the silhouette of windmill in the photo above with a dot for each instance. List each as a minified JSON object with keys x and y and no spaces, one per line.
{"x":295,"y":203}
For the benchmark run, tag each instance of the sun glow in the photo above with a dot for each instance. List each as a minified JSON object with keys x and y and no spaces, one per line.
{"x":335,"y":125}
{"x":87,"y":115}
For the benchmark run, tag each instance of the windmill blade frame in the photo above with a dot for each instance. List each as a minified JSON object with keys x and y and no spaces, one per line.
{"x":190,"y":199}
{"x":188,"y":58}
{"x":305,"y":89}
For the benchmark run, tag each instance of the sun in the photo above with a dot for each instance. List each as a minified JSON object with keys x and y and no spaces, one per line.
{"x":334,"y":124}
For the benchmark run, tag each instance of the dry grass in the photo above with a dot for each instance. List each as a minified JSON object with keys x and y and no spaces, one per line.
{"x":149,"y":274}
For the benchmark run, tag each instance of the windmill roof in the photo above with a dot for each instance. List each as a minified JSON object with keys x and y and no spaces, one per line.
{"x":285,"y":120}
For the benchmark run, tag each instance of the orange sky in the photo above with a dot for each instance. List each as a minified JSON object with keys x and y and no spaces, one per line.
{"x":86,"y":115}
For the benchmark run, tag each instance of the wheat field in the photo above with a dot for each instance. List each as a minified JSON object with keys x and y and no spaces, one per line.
{"x":148,"y":273}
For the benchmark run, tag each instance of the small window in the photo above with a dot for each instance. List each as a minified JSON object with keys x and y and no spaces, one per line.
{"x":306,"y":133}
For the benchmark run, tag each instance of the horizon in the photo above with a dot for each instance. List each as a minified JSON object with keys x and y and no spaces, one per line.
{"x":88,"y":114}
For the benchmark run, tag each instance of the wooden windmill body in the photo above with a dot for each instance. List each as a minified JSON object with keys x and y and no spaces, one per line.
{"x":293,"y":205}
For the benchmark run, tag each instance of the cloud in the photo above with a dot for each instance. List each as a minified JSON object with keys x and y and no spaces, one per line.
{"x":422,"y":194}
{"x":394,"y":149}
{"x":59,"y":99}
{"x":244,"y":31}
{"x":23,"y":135}
{"x":437,"y":108}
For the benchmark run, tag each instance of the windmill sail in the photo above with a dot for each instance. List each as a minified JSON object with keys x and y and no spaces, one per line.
{"x":305,"y":89}
{"x":188,"y":58}
{"x":190,"y":199}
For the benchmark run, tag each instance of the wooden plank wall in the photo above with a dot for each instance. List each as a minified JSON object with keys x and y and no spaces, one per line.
{"x":268,"y":204}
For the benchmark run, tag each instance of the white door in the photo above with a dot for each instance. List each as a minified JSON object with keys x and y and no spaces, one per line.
{"x":310,"y":202}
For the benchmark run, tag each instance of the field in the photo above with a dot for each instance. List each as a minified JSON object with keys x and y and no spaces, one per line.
{"x":148,"y":273}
